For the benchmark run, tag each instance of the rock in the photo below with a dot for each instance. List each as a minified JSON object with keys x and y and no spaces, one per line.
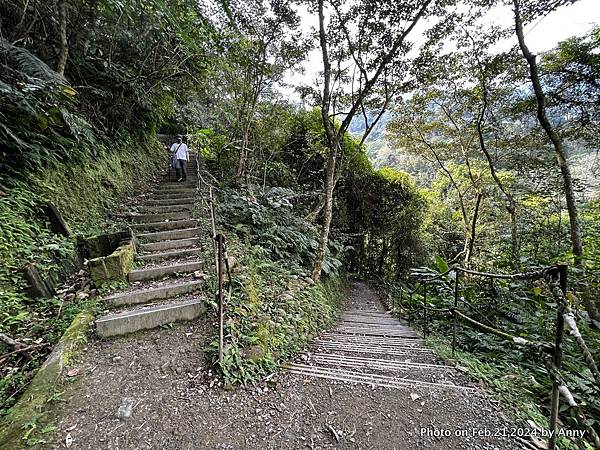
{"x":125,"y":409}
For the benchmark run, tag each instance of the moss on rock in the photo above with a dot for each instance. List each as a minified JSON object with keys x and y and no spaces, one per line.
{"x":113,"y":267}
{"x":29,"y":411}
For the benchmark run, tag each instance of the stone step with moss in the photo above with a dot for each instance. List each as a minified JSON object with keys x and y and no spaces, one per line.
{"x":159,"y":217}
{"x":170,"y":202}
{"x":180,"y":253}
{"x":166,"y":291}
{"x":170,"y":235}
{"x":163,"y":226}
{"x":175,"y":187}
{"x":171,"y":195}
{"x":154,"y":273}
{"x":149,"y":317}
{"x":171,"y":244}
{"x":164,"y":208}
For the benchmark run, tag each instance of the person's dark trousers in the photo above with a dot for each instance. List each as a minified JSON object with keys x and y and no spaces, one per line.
{"x":182,"y":169}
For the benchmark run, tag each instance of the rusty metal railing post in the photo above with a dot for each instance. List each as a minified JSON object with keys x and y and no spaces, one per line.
{"x":424,"y":310}
{"x":557,"y":357}
{"x":455,"y":318}
{"x":401,"y":301}
{"x":220,"y":245}
{"x":410,"y":303}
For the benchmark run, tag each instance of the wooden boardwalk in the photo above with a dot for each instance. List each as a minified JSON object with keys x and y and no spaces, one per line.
{"x":369,"y":346}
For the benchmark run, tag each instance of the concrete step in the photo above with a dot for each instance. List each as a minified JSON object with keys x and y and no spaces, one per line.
{"x":154,"y":273}
{"x":170,"y":193}
{"x":180,"y":253}
{"x":160,"y":217}
{"x":170,"y":202}
{"x":169,"y":187}
{"x":172,"y":196}
{"x":163,"y":226}
{"x":191,"y":175}
{"x":170,"y":236}
{"x":149,"y":317}
{"x":149,"y":295}
{"x":169,"y":245}
{"x":165,"y":209}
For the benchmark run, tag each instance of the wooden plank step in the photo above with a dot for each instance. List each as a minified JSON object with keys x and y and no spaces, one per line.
{"x":346,"y":344}
{"x":371,"y":363}
{"x":370,"y":351}
{"x":369,"y":379}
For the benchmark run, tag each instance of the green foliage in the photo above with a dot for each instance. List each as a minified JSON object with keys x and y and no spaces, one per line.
{"x":382,"y":211}
{"x":122,"y":83}
{"x":516,"y":374}
{"x":510,"y":383}
{"x":272,"y":218}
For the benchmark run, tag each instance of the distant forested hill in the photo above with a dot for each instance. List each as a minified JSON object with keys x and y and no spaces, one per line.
{"x":585,"y":160}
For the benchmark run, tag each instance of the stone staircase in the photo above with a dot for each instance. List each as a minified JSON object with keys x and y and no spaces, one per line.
{"x":164,"y":289}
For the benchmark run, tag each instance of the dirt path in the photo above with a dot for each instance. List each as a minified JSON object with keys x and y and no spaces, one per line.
{"x":160,"y":380}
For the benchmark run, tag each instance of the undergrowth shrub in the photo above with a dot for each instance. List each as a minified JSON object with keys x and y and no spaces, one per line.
{"x":273,"y":218}
{"x":274,"y":311}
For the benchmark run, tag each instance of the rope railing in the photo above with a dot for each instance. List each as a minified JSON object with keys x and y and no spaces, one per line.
{"x":551,"y":353}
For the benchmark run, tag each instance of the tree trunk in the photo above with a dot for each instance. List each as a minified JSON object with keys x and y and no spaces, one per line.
{"x":514,"y":237}
{"x":327,"y":215}
{"x":63,"y":52}
{"x":384,"y":250}
{"x":470,"y":241}
{"x":576,"y":241}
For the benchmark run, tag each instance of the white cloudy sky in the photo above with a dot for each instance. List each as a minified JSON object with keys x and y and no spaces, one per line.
{"x":541,"y":35}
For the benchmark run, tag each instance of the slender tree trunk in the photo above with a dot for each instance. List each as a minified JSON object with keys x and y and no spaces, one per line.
{"x":63,"y":52}
{"x":333,"y":143}
{"x":470,"y":241}
{"x":382,"y":256}
{"x":514,"y":237}
{"x":512,"y":204}
{"x":327,"y":216}
{"x":576,"y":241}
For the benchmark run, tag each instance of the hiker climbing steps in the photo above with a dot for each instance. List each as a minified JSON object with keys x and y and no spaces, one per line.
{"x":163,"y":288}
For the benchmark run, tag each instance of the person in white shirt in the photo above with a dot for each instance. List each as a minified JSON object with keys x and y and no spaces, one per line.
{"x":180,"y":157}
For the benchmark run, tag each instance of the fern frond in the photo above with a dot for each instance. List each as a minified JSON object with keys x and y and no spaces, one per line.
{"x":25,"y":61}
